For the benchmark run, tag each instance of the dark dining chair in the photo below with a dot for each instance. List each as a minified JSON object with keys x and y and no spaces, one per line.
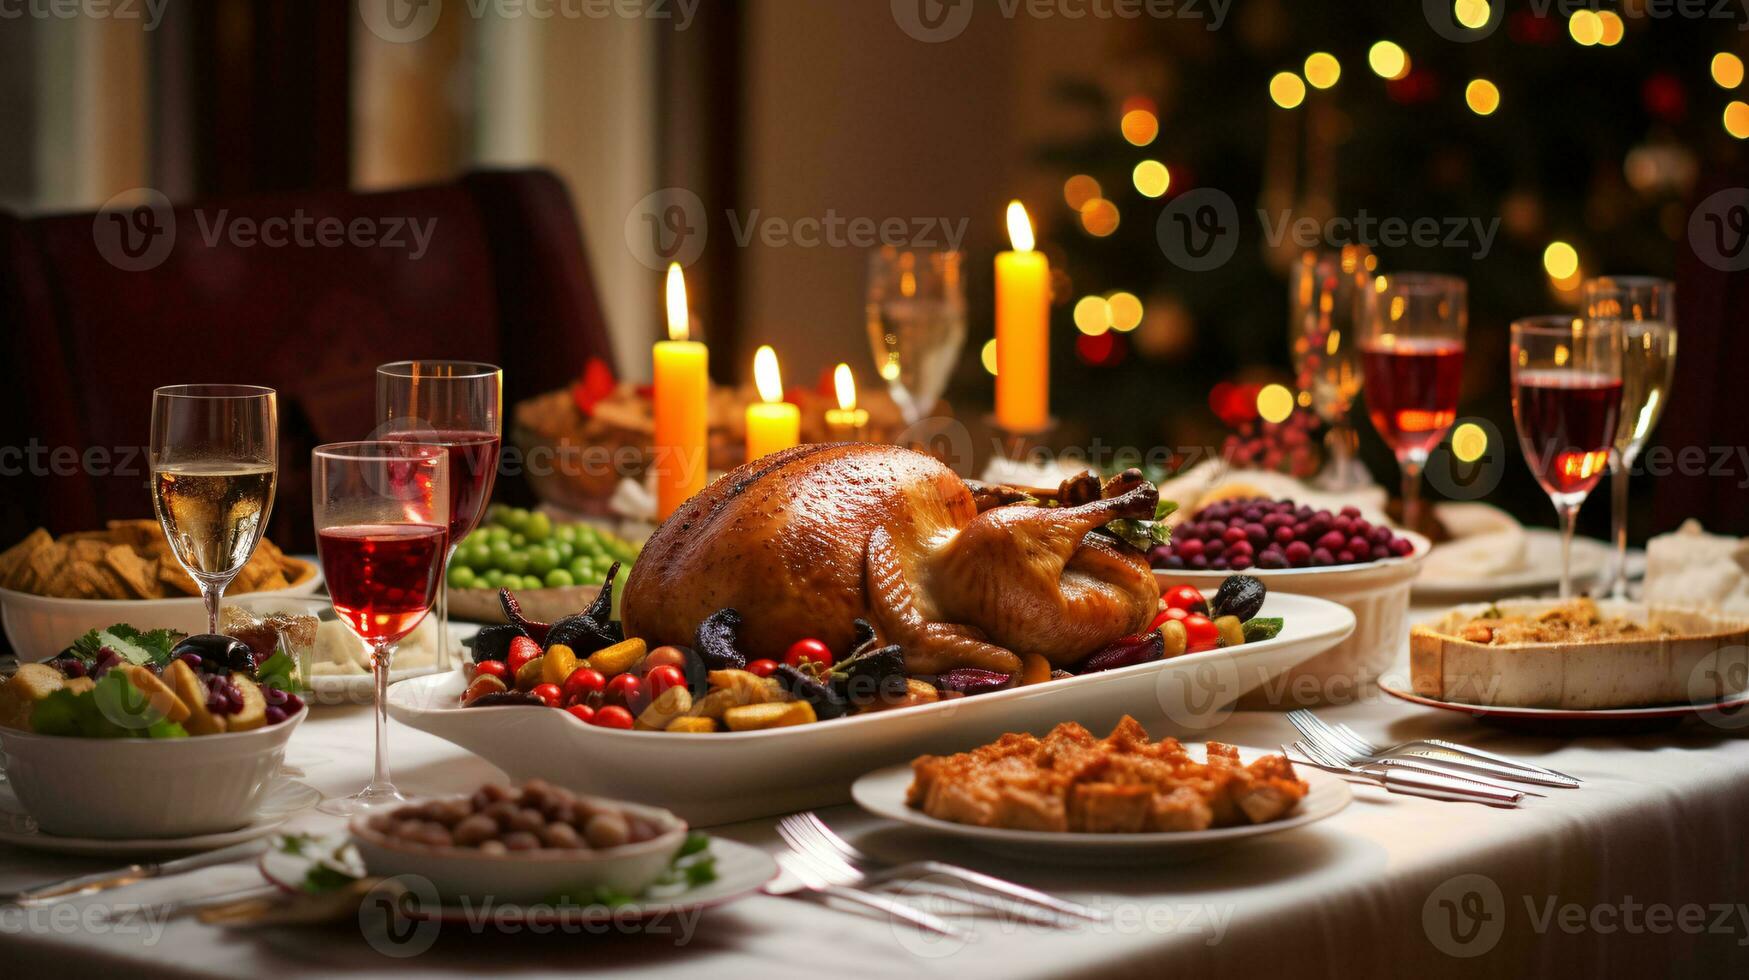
{"x":99,"y":309}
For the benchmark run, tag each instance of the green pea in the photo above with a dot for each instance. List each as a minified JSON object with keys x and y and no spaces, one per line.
{"x":558,"y":578}
{"x":461,"y":577}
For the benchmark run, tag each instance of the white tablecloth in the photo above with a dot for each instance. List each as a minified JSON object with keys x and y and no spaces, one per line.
{"x":1642,"y":872}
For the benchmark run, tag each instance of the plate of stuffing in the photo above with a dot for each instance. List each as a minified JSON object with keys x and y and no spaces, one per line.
{"x":1072,"y":797}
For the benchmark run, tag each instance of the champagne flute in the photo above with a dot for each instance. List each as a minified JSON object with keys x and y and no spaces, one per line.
{"x":215,"y":461}
{"x":454,"y":405}
{"x":1412,"y":357}
{"x":382,"y":529}
{"x":1646,"y":309}
{"x":1326,"y":303}
{"x":916,"y":316}
{"x":1566,"y":399}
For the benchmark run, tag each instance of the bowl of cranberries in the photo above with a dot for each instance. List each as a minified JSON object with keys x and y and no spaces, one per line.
{"x":1301,"y":550}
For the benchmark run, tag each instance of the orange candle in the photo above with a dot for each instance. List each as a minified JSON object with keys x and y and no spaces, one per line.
{"x":773,"y":424}
{"x":1023,"y":342}
{"x":681,"y":402}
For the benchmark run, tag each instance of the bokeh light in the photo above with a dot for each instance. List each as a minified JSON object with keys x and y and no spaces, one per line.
{"x":1585,"y":27}
{"x":1469,"y":442}
{"x":1275,"y":403}
{"x":1613,"y":28}
{"x":1099,"y":217}
{"x":1151,"y":178}
{"x":1737,"y":119}
{"x":1388,"y":60}
{"x":1482,"y":96}
{"x":1322,"y":69}
{"x":1561,"y":260}
{"x":1472,"y":14}
{"x":1080,"y":189}
{"x":1727,"y":70}
{"x":1140,"y":126}
{"x":988,"y":356}
{"x":1126,"y":311}
{"x":1092,"y":315}
{"x":1287,"y":90}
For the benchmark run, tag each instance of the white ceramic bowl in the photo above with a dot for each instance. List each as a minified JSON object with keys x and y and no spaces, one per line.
{"x":526,"y":876}
{"x":39,"y":627}
{"x":717,"y":777}
{"x":141,"y":787}
{"x":1378,"y":594}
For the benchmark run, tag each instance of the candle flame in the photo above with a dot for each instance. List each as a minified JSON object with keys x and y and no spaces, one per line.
{"x":1019,"y":227}
{"x":679,"y":324}
{"x":765,"y":375}
{"x":846,"y":386}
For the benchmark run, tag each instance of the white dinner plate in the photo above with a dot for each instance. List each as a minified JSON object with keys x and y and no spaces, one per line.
{"x":1570,"y":721}
{"x":282,"y":801}
{"x":741,"y":870}
{"x":1540,"y":571}
{"x":711,"y":778}
{"x":882,"y":793}
{"x":360,"y":688}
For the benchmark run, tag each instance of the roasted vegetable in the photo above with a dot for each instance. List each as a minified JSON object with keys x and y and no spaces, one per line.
{"x":584,"y":634}
{"x":1239,"y":595}
{"x":536,"y":631}
{"x":1127,"y":652}
{"x":826,"y":702}
{"x":754,"y":717}
{"x":505,"y":699}
{"x":1262,"y":629}
{"x":1174,"y":638}
{"x":973,"y":680}
{"x":493,"y":642}
{"x":1232,"y":634}
{"x":617,"y":659}
{"x":669,"y":705}
{"x":480,"y":687}
{"x":691,"y":724}
{"x":873,"y":673}
{"x":715,"y":642}
{"x":1034,"y":669}
{"x":601,"y":610}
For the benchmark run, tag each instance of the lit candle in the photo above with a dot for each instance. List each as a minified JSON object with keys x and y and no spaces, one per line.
{"x":846,"y":422}
{"x":682,"y":394}
{"x":773,"y":424}
{"x":1023,"y":342}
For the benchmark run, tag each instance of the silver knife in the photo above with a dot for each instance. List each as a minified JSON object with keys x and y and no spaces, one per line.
{"x":87,"y":884}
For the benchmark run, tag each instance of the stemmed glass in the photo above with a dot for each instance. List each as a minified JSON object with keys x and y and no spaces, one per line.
{"x":454,"y":405}
{"x":1325,"y":298}
{"x":215,"y":461}
{"x":1412,"y":357}
{"x":1646,"y":310}
{"x":1566,"y":399}
{"x":916,"y":316}
{"x":382,"y":529}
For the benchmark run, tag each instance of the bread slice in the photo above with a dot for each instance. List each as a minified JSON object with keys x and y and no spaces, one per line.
{"x":1695,"y":658}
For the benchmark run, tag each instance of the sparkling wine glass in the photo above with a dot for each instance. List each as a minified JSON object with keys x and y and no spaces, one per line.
{"x":916,"y":324}
{"x":1646,"y":309}
{"x":382,"y":530}
{"x":215,"y":461}
{"x":1325,"y":298}
{"x":454,"y":405}
{"x":1412,"y":359}
{"x":1566,"y":399}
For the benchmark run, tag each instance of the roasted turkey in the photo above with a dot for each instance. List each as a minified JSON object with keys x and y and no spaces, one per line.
{"x":804,"y":542}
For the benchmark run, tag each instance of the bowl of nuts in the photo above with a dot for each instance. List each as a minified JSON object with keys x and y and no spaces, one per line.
{"x":528,"y":843}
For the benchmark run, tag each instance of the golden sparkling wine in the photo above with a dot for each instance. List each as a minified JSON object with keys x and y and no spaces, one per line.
{"x":1648,"y":361}
{"x":213,"y":512}
{"x":916,"y":345}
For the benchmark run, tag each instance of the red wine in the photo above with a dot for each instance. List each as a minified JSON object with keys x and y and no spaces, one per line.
{"x":1566,"y":425}
{"x":473,"y":468}
{"x":1412,"y":390}
{"x":382,"y":577}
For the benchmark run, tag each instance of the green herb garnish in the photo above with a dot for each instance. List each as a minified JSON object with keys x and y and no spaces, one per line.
{"x":1144,"y":535}
{"x":132,"y":645}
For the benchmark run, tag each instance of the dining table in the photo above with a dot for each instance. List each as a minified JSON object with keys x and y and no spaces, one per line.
{"x":1642,"y":869}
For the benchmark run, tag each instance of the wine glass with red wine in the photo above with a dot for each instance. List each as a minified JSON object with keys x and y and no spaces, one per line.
{"x":382,"y":530}
{"x":454,"y":405}
{"x":1412,"y":360}
{"x":1566,"y":399}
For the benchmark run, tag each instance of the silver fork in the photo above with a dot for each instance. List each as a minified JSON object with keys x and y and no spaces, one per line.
{"x":1407,"y":784}
{"x":837,"y":869}
{"x":1344,"y":752}
{"x":1432,"y":751}
{"x":809,"y":826}
{"x":815,"y":883}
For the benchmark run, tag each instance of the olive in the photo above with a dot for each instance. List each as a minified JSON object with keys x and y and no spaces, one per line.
{"x":217,"y":652}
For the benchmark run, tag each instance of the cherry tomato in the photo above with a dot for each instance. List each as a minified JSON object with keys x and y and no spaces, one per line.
{"x":664,"y":657}
{"x":809,"y":649}
{"x":548,"y":693}
{"x":583,"y":682}
{"x":582,"y":713}
{"x":762,"y":668}
{"x":494,"y":668}
{"x":522,"y":650}
{"x":659,"y":679}
{"x":613,"y":716}
{"x":1200,"y":633}
{"x":1187,"y":598}
{"x":625,"y":689}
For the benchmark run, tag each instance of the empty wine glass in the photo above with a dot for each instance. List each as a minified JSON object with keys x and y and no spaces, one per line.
{"x":1646,"y":309}
{"x":382,"y":530}
{"x":1326,"y":301}
{"x":215,"y":461}
{"x":1566,"y":400}
{"x":916,"y":316}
